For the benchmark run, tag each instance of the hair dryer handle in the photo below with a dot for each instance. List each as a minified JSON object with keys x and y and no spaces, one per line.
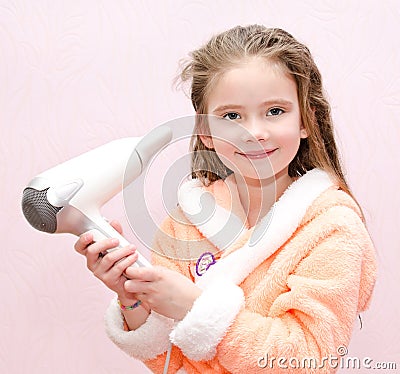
{"x":112,"y":233}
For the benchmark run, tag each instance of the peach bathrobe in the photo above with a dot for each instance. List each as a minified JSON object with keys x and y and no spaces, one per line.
{"x":290,"y":288}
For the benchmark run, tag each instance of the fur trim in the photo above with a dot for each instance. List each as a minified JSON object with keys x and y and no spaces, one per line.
{"x":144,"y":343}
{"x":199,"y":333}
{"x":220,"y":226}
{"x":273,"y":230}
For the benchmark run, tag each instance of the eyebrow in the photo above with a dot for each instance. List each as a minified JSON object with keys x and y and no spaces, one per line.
{"x":277,"y":101}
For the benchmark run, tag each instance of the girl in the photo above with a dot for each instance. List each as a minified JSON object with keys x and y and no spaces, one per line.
{"x":285,"y":293}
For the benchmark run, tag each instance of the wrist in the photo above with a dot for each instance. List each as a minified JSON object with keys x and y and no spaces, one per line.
{"x":189,"y":305}
{"x":127,"y":304}
{"x":126,"y":300}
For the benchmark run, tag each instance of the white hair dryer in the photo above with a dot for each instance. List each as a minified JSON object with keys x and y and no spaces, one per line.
{"x":67,"y":198}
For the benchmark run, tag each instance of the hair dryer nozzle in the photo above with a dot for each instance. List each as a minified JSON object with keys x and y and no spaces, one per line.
{"x":38,"y":211}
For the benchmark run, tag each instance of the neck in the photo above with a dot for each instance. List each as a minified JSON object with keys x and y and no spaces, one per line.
{"x":257,"y":196}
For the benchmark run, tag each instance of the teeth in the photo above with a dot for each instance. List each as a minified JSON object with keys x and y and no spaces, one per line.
{"x":257,"y":155}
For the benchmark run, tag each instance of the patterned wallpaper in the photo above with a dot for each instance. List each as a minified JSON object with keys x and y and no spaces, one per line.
{"x":76,"y":74}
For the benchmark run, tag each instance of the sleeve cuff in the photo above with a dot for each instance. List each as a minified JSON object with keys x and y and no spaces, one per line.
{"x":205,"y":325}
{"x":146,"y":342}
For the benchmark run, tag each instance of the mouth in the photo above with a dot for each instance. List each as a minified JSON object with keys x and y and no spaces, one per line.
{"x":259,"y":154}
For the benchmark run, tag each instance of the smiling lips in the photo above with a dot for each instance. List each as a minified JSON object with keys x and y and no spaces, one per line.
{"x":259,"y":154}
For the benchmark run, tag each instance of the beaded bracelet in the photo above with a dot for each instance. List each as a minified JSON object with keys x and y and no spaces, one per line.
{"x":129,"y":307}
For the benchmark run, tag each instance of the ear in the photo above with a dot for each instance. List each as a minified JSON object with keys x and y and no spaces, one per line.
{"x":303,"y":132}
{"x":207,"y":141}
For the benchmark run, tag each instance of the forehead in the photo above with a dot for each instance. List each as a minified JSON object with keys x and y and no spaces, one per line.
{"x":253,"y":80}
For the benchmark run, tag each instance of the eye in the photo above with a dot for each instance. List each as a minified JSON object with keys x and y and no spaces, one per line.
{"x":275,"y":112}
{"x":231,"y":116}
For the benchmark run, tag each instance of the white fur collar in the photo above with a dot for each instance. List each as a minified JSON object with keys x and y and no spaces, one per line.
{"x":222,"y":227}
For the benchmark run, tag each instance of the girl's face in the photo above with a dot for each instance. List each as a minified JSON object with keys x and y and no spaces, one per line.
{"x":262,"y":129}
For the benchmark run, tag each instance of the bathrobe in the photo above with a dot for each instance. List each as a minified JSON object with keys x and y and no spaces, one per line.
{"x":279,"y":297}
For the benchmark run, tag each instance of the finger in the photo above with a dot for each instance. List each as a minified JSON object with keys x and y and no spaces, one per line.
{"x":116,"y":225}
{"x":137,"y":287}
{"x":94,"y":250}
{"x":145,"y":274}
{"x":111,"y":259}
{"x":83,"y":242}
{"x":119,"y":267}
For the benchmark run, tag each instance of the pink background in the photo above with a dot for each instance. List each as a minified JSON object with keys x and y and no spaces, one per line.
{"x":76,"y":74}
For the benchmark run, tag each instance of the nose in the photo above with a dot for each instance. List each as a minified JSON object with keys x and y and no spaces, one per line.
{"x":255,"y":130}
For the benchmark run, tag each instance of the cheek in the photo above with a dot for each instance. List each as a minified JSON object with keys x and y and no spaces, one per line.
{"x":289,"y":133}
{"x":223,"y":148}
{"x":226,"y":153}
{"x":291,"y":138}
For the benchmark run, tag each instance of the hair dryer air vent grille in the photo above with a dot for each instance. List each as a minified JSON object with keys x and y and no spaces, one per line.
{"x":38,"y":211}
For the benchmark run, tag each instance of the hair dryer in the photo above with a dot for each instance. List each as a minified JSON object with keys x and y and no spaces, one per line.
{"x":67,"y":198}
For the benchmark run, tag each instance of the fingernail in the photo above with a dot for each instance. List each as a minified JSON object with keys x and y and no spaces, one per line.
{"x":127,"y":284}
{"x":114,"y":241}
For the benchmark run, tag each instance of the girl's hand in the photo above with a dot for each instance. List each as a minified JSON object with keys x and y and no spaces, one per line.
{"x":165,"y":291}
{"x":108,"y":267}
